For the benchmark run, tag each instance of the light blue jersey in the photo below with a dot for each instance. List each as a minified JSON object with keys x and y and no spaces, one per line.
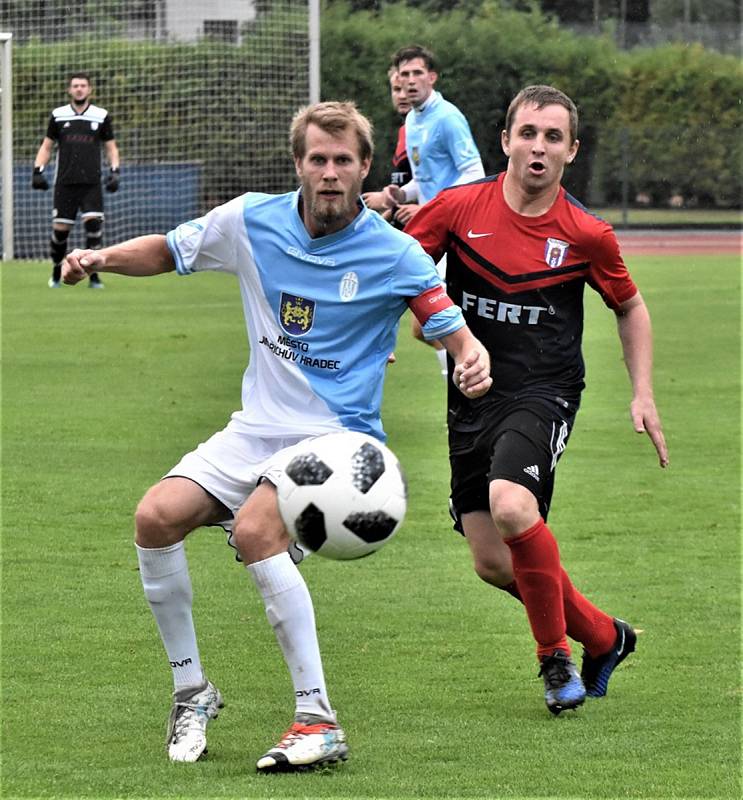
{"x":321,"y":314}
{"x":439,"y":144}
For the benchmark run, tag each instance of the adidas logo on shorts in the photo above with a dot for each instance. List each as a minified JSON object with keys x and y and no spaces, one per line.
{"x":533,"y":471}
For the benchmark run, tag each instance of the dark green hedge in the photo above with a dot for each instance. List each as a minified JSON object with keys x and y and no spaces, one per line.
{"x":679,"y":107}
{"x":680,"y":110}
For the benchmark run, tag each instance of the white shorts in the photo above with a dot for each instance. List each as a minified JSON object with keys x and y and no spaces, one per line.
{"x":230,"y":465}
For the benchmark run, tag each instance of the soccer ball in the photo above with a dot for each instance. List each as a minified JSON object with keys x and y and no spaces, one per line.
{"x":343,"y":495}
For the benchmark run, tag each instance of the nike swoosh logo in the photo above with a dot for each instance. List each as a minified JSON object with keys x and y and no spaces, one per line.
{"x":471,"y":235}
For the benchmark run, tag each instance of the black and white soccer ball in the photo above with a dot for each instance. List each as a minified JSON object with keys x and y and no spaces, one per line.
{"x":343,"y":495}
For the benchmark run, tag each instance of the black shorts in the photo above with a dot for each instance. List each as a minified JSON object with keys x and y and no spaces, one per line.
{"x":521,"y":441}
{"x":71,"y":197}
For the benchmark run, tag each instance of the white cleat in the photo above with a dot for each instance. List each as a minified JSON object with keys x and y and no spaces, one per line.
{"x":193,"y":708}
{"x":306,"y":746}
{"x":52,"y":284}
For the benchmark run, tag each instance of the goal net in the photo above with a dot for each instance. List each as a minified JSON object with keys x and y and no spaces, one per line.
{"x":200,"y":92}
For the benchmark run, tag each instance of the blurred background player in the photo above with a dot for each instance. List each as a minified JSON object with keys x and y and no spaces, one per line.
{"x":520,"y":251}
{"x":439,"y":144}
{"x":438,"y":140}
{"x":347,"y":319}
{"x":401,"y":172}
{"x":78,"y":130}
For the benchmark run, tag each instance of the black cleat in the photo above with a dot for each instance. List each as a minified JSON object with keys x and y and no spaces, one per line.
{"x":597,"y":671}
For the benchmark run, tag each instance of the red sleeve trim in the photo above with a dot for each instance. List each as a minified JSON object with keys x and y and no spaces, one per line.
{"x":427,"y":304}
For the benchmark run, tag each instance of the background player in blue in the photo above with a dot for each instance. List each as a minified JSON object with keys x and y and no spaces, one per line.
{"x":438,"y":139}
{"x":439,"y":144}
{"x":78,"y":129}
{"x":324,"y":282}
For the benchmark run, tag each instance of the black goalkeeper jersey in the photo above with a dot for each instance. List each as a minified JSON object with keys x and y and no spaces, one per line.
{"x":78,"y":135}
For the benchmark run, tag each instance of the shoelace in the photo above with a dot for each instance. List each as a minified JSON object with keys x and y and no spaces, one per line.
{"x":298,"y":730}
{"x":555,"y":669}
{"x":185,"y":714}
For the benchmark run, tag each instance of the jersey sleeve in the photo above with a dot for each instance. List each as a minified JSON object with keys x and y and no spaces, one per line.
{"x":430,"y":226}
{"x":608,"y":274}
{"x":416,"y":280}
{"x":51,"y":129}
{"x":207,"y":243}
{"x":107,"y":130}
{"x":459,"y":142}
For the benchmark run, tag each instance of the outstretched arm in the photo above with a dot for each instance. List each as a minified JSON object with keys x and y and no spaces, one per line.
{"x":145,"y":255}
{"x":633,"y":323}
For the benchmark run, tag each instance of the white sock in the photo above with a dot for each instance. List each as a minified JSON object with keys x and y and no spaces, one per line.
{"x":290,"y":612}
{"x":167,"y":587}
{"x":441,"y":355}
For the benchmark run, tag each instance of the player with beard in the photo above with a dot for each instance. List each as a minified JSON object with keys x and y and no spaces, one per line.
{"x":520,"y":251}
{"x":324,"y":282}
{"x":78,"y":129}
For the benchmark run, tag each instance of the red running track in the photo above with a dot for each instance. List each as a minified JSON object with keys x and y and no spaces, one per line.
{"x":672,"y":243}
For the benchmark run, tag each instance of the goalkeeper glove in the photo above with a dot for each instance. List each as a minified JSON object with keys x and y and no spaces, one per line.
{"x":112,"y":180}
{"x":38,"y":181}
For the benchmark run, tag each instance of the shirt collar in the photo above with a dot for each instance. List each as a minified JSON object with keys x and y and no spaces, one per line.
{"x":433,"y":99}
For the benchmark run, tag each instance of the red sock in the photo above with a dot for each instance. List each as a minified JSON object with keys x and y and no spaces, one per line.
{"x":586,"y":623}
{"x":538,"y":576}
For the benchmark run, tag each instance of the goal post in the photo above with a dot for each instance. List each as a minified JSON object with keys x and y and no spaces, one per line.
{"x":200,"y":95}
{"x":6,"y":141}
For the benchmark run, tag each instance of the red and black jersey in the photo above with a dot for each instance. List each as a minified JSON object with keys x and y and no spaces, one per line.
{"x":519,"y":281}
{"x":401,"y":171}
{"x":78,"y":135}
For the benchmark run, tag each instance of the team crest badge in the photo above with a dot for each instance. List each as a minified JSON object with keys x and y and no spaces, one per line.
{"x":348,"y":287}
{"x":416,"y":156}
{"x":555,"y":251}
{"x":94,"y":126}
{"x":296,"y":314}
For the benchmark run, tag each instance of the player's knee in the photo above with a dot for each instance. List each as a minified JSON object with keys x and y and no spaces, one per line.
{"x":155,"y":523}
{"x":512,"y":507}
{"x":258,"y":531}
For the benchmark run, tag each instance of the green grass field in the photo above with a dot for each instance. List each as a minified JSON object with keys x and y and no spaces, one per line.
{"x":659,"y":217}
{"x":433,"y":672}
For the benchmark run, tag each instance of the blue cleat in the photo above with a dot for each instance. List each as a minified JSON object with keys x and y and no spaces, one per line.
{"x":563,"y":687}
{"x":597,"y":671}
